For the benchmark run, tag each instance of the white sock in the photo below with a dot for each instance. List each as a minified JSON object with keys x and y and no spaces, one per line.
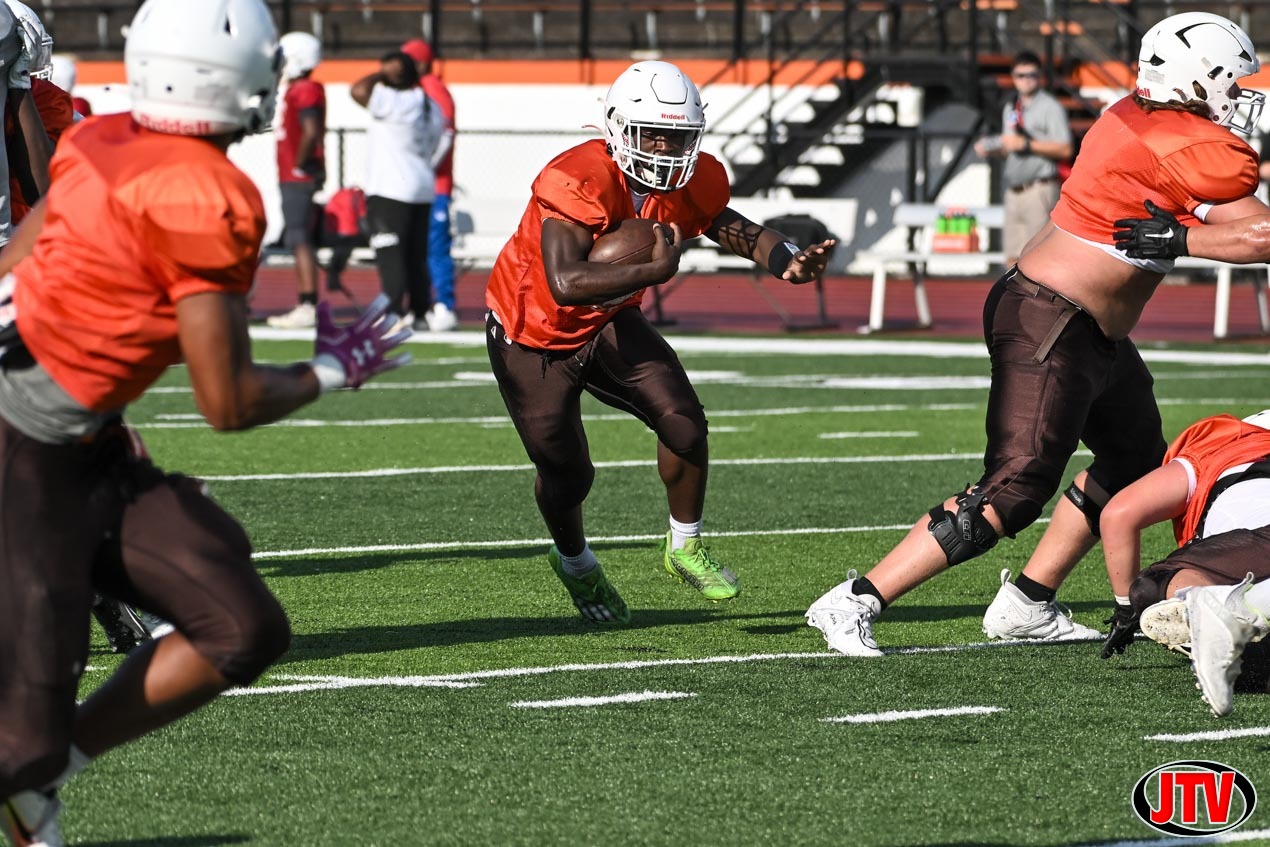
{"x":681,"y":532}
{"x":581,"y":564}
{"x":76,"y":762}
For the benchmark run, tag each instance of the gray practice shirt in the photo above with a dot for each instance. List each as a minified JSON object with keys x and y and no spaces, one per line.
{"x":1042,"y":119}
{"x":39,"y":408}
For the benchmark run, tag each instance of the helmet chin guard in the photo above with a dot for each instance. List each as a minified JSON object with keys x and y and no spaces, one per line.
{"x":1197,"y":56}
{"x":648,"y":99}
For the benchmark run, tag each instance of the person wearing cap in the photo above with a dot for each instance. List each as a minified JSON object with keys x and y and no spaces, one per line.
{"x":441,"y":316}
{"x":1215,"y":487}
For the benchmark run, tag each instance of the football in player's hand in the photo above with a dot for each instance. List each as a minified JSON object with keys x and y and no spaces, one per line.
{"x":630,"y":243}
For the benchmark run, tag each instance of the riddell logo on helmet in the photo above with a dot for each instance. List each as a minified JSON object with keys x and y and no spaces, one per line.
{"x":1194,"y":798}
{"x":673,"y":117}
{"x":175,"y":126}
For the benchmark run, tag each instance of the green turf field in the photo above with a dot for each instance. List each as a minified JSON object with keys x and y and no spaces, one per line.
{"x":398,"y":528}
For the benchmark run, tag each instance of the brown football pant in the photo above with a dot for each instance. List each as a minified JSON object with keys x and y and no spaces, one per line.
{"x":84,"y":517}
{"x":1057,"y":381}
{"x":626,"y":365}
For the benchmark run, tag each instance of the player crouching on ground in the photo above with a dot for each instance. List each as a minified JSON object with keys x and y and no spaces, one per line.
{"x":141,"y":254}
{"x":559,"y":325}
{"x":1057,"y":326}
{"x":1215,"y":486}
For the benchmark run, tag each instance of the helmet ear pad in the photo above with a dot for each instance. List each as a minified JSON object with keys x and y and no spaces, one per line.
{"x":647,"y":99}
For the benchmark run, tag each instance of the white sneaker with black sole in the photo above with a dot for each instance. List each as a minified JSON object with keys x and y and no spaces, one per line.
{"x":1222,"y":625}
{"x":1013,"y":616}
{"x":846,"y":619}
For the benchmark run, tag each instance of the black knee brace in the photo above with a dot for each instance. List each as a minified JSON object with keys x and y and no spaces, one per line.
{"x":966,"y":534}
{"x":1090,"y":501}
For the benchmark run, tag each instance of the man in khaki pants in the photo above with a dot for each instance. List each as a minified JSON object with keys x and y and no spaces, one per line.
{"x":1034,"y":139}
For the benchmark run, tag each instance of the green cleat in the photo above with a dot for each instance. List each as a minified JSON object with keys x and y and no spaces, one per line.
{"x":592,"y":593}
{"x":694,"y":565}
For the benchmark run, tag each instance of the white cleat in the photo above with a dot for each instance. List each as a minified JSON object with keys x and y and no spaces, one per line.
{"x":846,"y":619}
{"x":29,"y":819}
{"x":1167,"y":623}
{"x":1222,"y":625}
{"x":303,"y":316}
{"x":441,"y":318}
{"x":1013,"y":616}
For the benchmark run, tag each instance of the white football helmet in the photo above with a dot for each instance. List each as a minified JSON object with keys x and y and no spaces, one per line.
{"x":203,"y":68}
{"x":34,"y":39}
{"x":64,"y":71}
{"x":1201,"y":56}
{"x":301,"y":53}
{"x":647,"y":97}
{"x":1261,"y":419}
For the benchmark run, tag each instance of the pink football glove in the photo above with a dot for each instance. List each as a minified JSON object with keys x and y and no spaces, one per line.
{"x":360,"y":348}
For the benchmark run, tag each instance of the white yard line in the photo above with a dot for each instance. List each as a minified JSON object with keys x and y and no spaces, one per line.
{"x":916,"y":714}
{"x":1212,"y":734}
{"x":332,"y":683}
{"x":506,"y":543}
{"x":1224,"y":838}
{"x":196,"y":421}
{"x":812,"y":347}
{"x":627,"y":463}
{"x":633,"y":697}
{"x":322,"y":682}
{"x":909,"y":433}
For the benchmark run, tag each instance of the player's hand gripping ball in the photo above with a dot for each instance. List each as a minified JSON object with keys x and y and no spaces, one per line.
{"x":631,"y":243}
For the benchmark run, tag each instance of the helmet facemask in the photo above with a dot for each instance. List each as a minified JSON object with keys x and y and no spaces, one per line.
{"x":658,"y":171}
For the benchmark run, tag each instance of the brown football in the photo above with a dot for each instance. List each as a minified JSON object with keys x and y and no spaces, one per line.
{"x":630,"y":243}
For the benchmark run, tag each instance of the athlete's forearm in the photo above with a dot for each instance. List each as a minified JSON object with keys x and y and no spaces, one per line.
{"x":1242,"y":241}
{"x":589,"y":283}
{"x":23,"y":240}
{"x":260,"y":395}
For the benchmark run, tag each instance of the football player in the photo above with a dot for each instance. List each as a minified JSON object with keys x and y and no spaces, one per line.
{"x":141,"y":254}
{"x":559,"y":325}
{"x":301,"y":168}
{"x":1057,"y":328}
{"x":1215,"y":486}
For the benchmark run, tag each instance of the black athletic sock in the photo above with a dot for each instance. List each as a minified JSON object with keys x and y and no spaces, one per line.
{"x":862,"y":586}
{"x":310,"y":298}
{"x":1034,"y":591}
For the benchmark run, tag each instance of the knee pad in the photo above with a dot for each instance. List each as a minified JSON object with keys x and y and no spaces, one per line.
{"x":1149,"y":588}
{"x":565,"y":488}
{"x":262,"y":637}
{"x":682,"y":433}
{"x":968,"y":533}
{"x":1090,"y":501}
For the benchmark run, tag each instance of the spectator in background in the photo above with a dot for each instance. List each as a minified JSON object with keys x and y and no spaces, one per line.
{"x":405,"y":141}
{"x":65,"y":75}
{"x":301,"y":169}
{"x":441,"y":316}
{"x":1034,"y":139}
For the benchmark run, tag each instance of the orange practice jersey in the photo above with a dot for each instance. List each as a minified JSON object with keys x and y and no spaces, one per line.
{"x":1177,"y":160}
{"x":58,"y":113}
{"x":1212,"y":446}
{"x":135,"y":221}
{"x":584,"y":186}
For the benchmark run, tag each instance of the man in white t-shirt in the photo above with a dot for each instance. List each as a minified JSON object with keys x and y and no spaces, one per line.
{"x":407,"y":137}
